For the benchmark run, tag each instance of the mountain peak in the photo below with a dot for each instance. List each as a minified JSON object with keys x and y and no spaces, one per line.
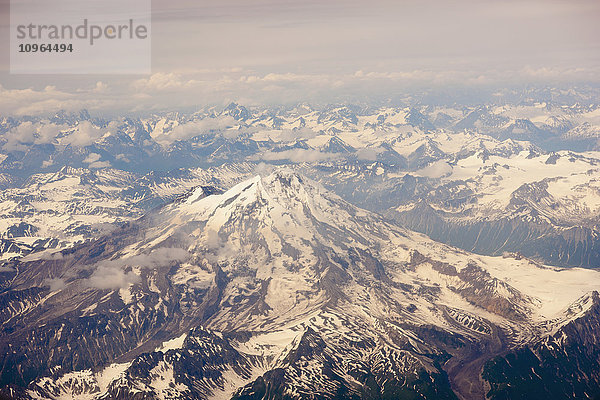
{"x":266,"y":210}
{"x":296,"y":273}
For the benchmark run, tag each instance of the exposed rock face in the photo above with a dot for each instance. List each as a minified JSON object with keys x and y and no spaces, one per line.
{"x":279,"y":289}
{"x":562,"y":365}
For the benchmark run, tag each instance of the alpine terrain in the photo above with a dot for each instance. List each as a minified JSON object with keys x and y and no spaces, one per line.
{"x":279,"y":289}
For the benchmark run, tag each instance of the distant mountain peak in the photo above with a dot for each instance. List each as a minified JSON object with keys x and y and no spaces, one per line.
{"x":237,"y":111}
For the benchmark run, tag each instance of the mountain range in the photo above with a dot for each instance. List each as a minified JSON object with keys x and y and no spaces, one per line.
{"x":424,"y":250}
{"x":279,"y":288}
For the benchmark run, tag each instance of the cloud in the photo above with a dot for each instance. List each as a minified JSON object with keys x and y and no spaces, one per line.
{"x":290,"y":135}
{"x":435,"y":170}
{"x":296,"y":156}
{"x":157,"y":257}
{"x":283,"y":52}
{"x":93,"y":159}
{"x":83,"y":134}
{"x":28,"y":133}
{"x":368,"y":154}
{"x":212,"y":239}
{"x":32,"y":102}
{"x":101,"y":87}
{"x":218,"y":249}
{"x":112,"y":277}
{"x":191,"y":90}
{"x":55,"y":284}
{"x":18,"y":137}
{"x":161,"y":81}
{"x":86,"y":133}
{"x":111,"y":274}
{"x":53,"y":256}
{"x":100,"y":164}
{"x":86,"y":93}
{"x":263,"y":169}
{"x":194,"y":128}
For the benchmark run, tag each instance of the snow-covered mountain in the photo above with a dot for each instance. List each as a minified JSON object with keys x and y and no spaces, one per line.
{"x":467,"y":189}
{"x":278,"y":288}
{"x":74,"y":205}
{"x":194,"y":255}
{"x":545,"y":206}
{"x":236,"y":133}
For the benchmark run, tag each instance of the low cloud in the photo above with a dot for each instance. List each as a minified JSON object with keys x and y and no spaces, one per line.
{"x":113,"y":274}
{"x":112,"y":277}
{"x":290,"y":135}
{"x":437,"y":169}
{"x":86,"y":133}
{"x":297,"y":156}
{"x":164,"y":91}
{"x":99,"y":164}
{"x":195,"y":128}
{"x":101,"y":87}
{"x":212,"y":239}
{"x":55,"y":284}
{"x":32,"y":102}
{"x":93,"y":159}
{"x":162,"y":81}
{"x":27,"y":133}
{"x":263,"y":169}
{"x":368,"y":154}
{"x":53,"y":256}
{"x":217,"y":248}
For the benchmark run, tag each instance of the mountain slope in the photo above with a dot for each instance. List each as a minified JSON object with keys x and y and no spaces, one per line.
{"x":277,"y":286}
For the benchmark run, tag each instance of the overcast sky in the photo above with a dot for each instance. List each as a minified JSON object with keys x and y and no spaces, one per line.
{"x":212,"y":51}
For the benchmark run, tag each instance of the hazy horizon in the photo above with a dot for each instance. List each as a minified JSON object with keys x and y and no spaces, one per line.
{"x":281,"y":52}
